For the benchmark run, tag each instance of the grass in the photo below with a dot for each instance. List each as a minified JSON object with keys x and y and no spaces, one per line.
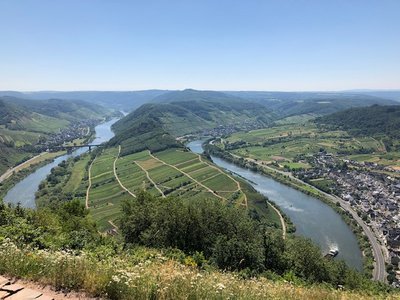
{"x":152,"y":274}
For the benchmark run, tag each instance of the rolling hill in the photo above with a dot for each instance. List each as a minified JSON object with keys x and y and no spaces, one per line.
{"x":369,"y":121}
{"x":189,"y":111}
{"x":23,"y":122}
{"x":122,"y":100}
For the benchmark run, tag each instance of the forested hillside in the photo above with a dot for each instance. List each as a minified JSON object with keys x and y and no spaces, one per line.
{"x":369,"y":121}
{"x":189,"y":111}
{"x":122,"y":100}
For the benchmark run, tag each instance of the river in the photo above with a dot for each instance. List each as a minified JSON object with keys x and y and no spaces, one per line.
{"x":313,"y":218}
{"x":24,"y":191}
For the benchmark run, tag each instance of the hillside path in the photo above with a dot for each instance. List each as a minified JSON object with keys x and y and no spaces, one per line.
{"x":239,"y":188}
{"x":90,"y":183}
{"x":116,"y":176}
{"x":149,"y":178}
{"x":186,"y":174}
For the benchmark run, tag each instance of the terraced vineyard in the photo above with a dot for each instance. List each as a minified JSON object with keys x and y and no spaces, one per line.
{"x":174,"y":172}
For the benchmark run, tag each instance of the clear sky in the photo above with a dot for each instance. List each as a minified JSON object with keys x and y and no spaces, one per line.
{"x":203,"y":44}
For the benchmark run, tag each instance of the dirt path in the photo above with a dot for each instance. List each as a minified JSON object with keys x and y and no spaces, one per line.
{"x":90,"y":183}
{"x":283,"y":224}
{"x":24,"y":290}
{"x":239,"y":188}
{"x":149,"y":178}
{"x":186,"y":174}
{"x":113,"y":225}
{"x":116,"y":176}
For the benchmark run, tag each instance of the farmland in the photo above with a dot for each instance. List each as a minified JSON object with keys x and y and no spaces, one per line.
{"x":173,"y":172}
{"x":282,"y":144}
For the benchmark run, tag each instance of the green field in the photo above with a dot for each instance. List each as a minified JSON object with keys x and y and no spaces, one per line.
{"x":284,"y":143}
{"x":171,"y":172}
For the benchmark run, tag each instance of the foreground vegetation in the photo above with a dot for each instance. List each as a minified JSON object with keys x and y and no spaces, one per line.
{"x":61,"y":247}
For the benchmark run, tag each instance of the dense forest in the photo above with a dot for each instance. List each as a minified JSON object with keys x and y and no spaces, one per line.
{"x":368,"y":121}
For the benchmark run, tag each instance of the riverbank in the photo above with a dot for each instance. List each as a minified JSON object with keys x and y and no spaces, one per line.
{"x":347,"y":215}
{"x":21,"y":172}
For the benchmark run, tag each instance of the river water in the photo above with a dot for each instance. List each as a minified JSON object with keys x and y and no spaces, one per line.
{"x":24,"y":191}
{"x":313,"y":218}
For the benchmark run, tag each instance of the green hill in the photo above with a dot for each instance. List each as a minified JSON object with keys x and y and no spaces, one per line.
{"x":122,"y":100}
{"x":184,"y":112}
{"x":368,"y":121}
{"x":23,"y":122}
{"x":69,"y":110}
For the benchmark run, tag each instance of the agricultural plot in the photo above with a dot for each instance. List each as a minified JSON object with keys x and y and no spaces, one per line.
{"x":105,"y":194}
{"x":168,"y":173}
{"x":283,"y":144}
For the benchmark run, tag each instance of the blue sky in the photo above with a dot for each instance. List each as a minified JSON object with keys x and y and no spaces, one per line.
{"x":204,"y":44}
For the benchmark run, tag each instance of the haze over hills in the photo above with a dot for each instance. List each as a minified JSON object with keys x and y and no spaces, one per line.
{"x":318,"y":103}
{"x":124,"y":100}
{"x":281,"y":103}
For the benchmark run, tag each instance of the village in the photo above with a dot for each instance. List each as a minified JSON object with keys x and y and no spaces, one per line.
{"x":74,"y":131}
{"x":371,"y":192}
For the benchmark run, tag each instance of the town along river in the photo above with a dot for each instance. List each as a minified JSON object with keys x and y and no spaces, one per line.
{"x":313,"y":218}
{"x":24,"y":191}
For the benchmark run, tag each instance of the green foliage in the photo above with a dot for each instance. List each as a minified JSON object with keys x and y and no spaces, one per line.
{"x":366,"y":121}
{"x":66,"y":226}
{"x":224,"y":234}
{"x":230,"y":239}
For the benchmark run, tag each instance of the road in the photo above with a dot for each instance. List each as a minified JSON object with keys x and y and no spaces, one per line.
{"x":379,"y":272}
{"x":9,"y":172}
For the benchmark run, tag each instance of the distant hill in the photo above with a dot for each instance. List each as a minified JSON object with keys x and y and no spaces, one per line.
{"x":283,"y":104}
{"x":286,"y":104}
{"x":124,"y":100}
{"x":387,"y":94}
{"x":372,"y":121}
{"x":193,"y":111}
{"x":29,"y":114}
{"x":189,"y":111}
{"x":23,"y":122}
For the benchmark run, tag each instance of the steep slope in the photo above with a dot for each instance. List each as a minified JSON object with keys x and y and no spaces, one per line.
{"x":70,"y":110}
{"x":179,"y":113}
{"x":199,"y":110}
{"x":373,"y":120}
{"x":23,"y":122}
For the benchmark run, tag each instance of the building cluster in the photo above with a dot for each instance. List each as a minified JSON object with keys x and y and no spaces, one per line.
{"x":74,"y":131}
{"x":371,"y":192}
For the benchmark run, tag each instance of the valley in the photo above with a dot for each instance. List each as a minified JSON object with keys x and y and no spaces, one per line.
{"x":146,"y":167}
